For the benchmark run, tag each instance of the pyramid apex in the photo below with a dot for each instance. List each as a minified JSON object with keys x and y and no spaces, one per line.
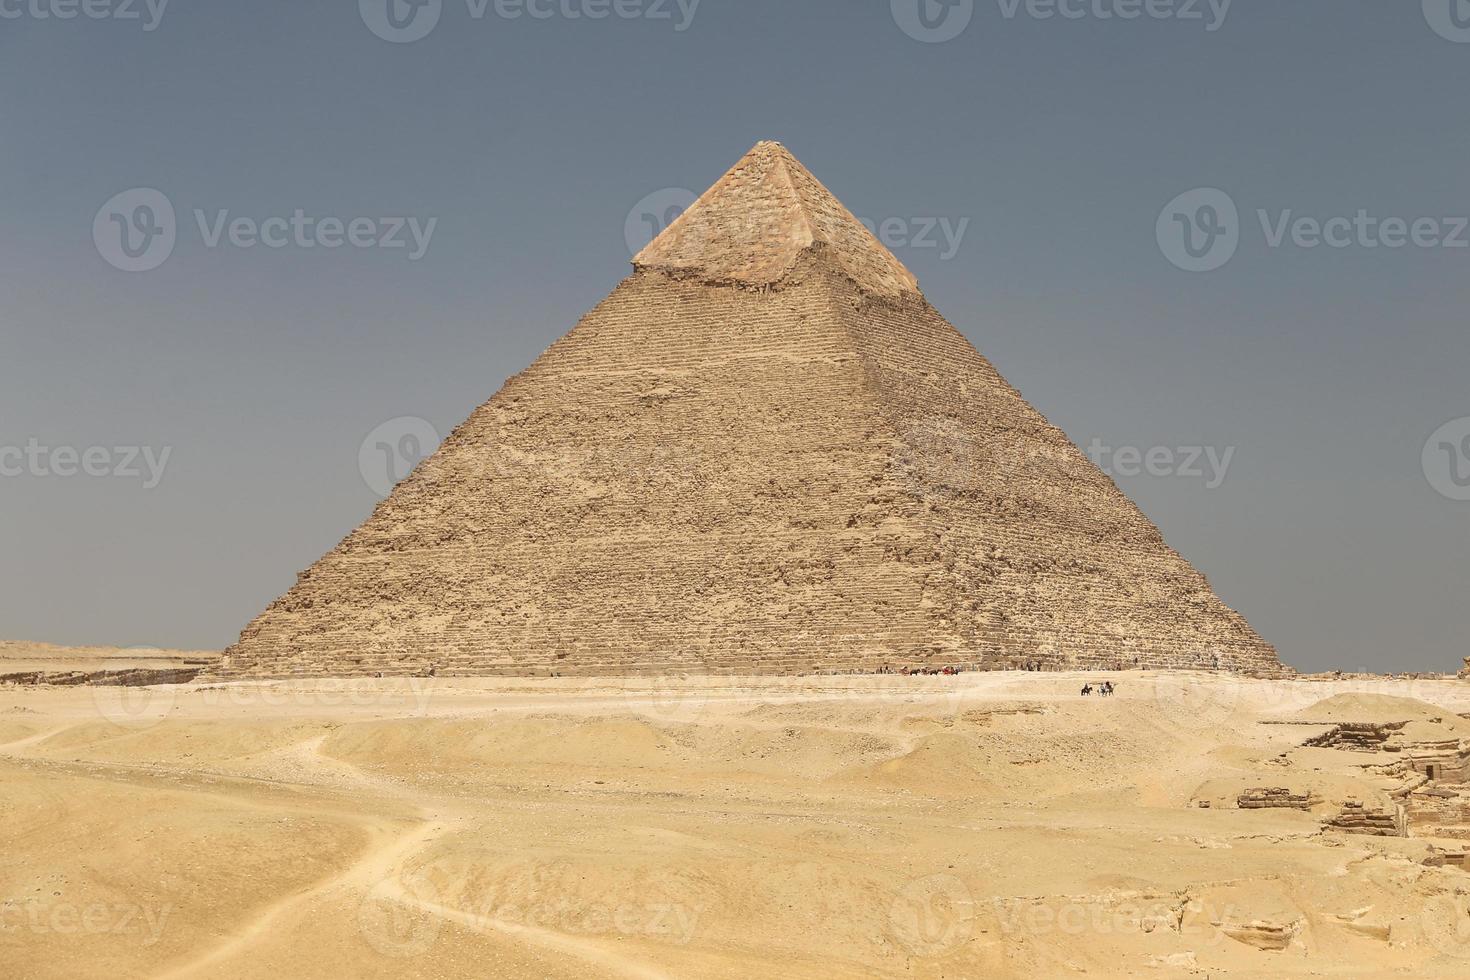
{"x":760,"y":218}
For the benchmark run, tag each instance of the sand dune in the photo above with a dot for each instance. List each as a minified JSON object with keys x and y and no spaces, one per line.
{"x":986,"y":825}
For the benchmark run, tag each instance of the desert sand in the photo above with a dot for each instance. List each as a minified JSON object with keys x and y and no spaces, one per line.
{"x":993,"y":825}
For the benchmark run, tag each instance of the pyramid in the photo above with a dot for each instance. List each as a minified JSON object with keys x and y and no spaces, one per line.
{"x":764,"y":452}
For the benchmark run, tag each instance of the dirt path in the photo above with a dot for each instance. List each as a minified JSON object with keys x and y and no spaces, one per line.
{"x":379,"y":862}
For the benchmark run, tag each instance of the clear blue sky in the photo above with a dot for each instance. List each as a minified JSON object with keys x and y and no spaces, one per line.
{"x":1060,"y":140}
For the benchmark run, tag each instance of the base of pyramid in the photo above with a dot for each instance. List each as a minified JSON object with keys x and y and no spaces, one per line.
{"x":564,"y":662}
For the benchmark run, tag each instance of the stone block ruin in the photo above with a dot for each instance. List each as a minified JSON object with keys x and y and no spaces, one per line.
{"x":1429,"y":757}
{"x":1358,"y":818}
{"x":1276,"y":798}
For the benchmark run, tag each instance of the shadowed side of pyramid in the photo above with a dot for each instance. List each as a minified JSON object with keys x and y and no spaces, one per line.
{"x":765,"y":452}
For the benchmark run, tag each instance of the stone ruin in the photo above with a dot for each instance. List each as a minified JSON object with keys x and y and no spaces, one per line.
{"x":1276,"y":797}
{"x":764,"y":452}
{"x":1359,"y":737}
{"x":1430,"y":761}
{"x":130,"y":677}
{"x":1442,"y":857}
{"x":1442,"y":760}
{"x":1440,"y":811}
{"x":1357,"y":818}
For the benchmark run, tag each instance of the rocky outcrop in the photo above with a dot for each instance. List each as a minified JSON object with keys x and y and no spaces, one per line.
{"x":1364,"y":922}
{"x":1261,"y":934}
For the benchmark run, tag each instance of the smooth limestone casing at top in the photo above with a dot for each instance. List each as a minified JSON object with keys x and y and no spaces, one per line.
{"x":765,"y":452}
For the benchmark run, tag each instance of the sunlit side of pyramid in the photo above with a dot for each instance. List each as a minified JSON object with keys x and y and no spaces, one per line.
{"x":765,"y":452}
